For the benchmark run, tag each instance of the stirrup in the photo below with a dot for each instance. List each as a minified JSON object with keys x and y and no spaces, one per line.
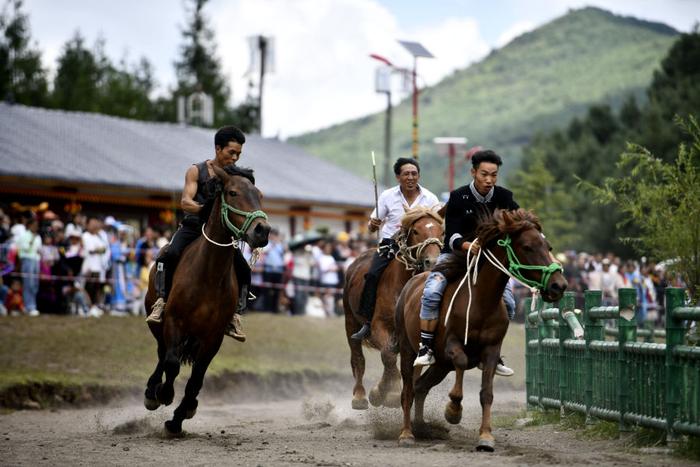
{"x":156,"y":315}
{"x":234,"y":329}
{"x":364,"y":332}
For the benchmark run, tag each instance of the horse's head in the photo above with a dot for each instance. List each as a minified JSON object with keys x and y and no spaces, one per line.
{"x":421,"y":233}
{"x":528,"y":252}
{"x":241,"y":205}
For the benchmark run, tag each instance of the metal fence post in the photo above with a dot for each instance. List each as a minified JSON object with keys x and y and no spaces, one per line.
{"x":627,"y":332}
{"x":592,"y":331}
{"x":530,"y":356}
{"x":674,"y":336}
{"x":565,"y":365}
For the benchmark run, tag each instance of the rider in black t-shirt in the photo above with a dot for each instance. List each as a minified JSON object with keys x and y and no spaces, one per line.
{"x":464,"y":208}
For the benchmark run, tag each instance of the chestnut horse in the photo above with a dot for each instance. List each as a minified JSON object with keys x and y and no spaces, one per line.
{"x":512,"y":244}
{"x":204,"y":291}
{"x":419,"y":243}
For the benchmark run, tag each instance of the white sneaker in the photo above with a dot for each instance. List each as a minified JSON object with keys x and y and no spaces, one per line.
{"x":425,"y":356}
{"x":501,"y":369}
{"x":33,"y":312}
{"x":95,"y":312}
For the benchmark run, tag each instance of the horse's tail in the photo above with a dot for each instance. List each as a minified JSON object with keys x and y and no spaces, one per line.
{"x":187,"y":350}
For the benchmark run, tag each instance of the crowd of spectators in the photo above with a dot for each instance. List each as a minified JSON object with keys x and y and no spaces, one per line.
{"x":90,"y":265}
{"x":608,"y":273}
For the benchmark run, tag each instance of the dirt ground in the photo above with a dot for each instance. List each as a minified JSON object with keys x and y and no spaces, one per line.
{"x":320,"y":429}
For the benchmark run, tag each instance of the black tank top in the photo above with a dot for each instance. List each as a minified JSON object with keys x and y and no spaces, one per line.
{"x":201,"y":195}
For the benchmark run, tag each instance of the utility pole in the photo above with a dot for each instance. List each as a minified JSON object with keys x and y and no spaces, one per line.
{"x":262,"y":46}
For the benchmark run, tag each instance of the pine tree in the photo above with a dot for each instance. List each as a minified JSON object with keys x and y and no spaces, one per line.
{"x":22,"y":77}
{"x":78,"y":78}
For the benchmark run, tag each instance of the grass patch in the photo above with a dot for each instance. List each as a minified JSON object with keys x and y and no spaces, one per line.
{"x":689,"y":448}
{"x":120,"y":353}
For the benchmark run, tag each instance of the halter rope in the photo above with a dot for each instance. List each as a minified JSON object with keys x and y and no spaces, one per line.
{"x":408,"y":255}
{"x":512,"y":272}
{"x":238,"y":233}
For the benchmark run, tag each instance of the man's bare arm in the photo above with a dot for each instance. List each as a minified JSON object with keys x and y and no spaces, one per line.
{"x":187,"y":203}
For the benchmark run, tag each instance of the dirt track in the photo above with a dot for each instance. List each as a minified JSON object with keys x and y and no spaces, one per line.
{"x":318,"y":430}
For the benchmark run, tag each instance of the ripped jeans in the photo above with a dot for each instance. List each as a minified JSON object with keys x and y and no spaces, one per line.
{"x":435,"y":287}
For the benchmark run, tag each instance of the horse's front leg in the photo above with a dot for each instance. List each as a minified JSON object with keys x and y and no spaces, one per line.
{"x":165,"y":392}
{"x":453,"y":409}
{"x":489,"y":359}
{"x":150,"y":401}
{"x":455,"y":352}
{"x":431,"y":377}
{"x":188,"y":406}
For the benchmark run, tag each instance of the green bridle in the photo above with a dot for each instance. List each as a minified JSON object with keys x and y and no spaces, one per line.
{"x":249,"y":218}
{"x":514,"y":266}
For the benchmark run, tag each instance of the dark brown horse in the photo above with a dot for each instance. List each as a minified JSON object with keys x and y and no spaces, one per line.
{"x":514,"y":240}
{"x":204,"y":291}
{"x":419,"y":241}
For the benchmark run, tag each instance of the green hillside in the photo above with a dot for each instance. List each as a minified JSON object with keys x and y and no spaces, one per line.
{"x":538,"y":81}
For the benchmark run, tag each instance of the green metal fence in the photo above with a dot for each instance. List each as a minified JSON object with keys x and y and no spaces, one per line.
{"x":571,"y":366}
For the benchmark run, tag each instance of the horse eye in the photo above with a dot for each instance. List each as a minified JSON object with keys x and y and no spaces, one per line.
{"x":232,"y":193}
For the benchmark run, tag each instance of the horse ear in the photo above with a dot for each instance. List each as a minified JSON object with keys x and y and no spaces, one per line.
{"x":442,"y":211}
{"x":220,"y":173}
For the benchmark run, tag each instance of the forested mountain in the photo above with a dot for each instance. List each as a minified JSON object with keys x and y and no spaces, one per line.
{"x":538,"y":81}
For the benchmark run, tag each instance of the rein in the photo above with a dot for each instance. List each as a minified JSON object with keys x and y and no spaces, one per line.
{"x":409,"y":255}
{"x":512,"y":271}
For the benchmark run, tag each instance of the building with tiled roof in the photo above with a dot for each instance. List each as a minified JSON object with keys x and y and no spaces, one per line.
{"x":135,"y":170}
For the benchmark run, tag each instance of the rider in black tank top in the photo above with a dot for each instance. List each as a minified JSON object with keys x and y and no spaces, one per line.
{"x":228,"y":143}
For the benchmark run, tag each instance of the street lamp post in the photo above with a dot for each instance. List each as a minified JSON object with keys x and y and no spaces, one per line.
{"x":382,"y":85}
{"x":416,"y":50}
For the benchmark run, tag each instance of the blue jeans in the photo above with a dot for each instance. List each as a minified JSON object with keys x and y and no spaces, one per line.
{"x":30,"y":282}
{"x":435,"y":287}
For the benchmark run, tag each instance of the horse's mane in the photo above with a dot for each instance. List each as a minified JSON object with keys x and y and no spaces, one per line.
{"x":490,"y":228}
{"x":413,"y":214}
{"x":213,"y":188}
{"x":505,"y":222}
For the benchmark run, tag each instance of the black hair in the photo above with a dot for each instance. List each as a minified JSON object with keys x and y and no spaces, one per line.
{"x":228,"y":133}
{"x":401,"y":161}
{"x":486,"y":155}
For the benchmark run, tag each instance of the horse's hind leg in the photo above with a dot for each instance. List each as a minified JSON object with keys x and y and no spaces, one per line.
{"x":188,"y":405}
{"x":388,"y":390}
{"x":357,"y":361}
{"x":150,"y":400}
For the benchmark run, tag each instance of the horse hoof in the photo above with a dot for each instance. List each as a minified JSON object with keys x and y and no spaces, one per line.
{"x":360,"y":404}
{"x":393,"y":400}
{"x":150,"y":404}
{"x":164,"y":394}
{"x":172,"y":428}
{"x":486,"y":445}
{"x":407,"y":441}
{"x":451,"y":415}
{"x":375,"y":397}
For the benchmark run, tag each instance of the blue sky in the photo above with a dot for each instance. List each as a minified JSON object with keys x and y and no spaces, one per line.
{"x":322,"y":72}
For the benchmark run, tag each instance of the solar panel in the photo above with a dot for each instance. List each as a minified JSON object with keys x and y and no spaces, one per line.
{"x":416,"y":49}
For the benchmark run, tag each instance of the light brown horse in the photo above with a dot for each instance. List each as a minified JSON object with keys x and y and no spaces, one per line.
{"x":205,"y":291}
{"x":518,"y":231}
{"x":420,"y":242}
